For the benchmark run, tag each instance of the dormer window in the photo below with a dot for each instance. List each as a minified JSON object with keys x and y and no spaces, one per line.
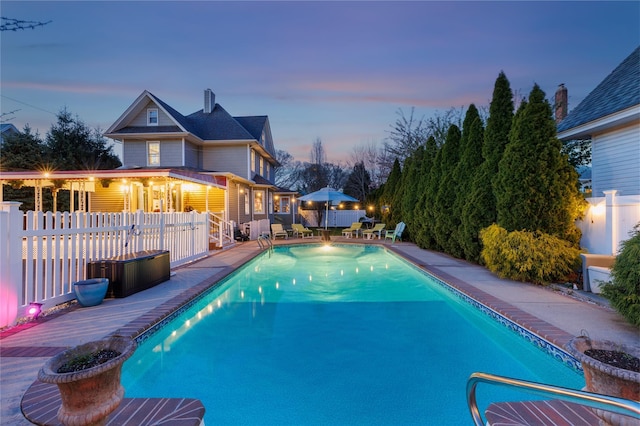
{"x":152,"y":117}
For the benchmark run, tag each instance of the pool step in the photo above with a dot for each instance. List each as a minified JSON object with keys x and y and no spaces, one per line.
{"x":41,"y":401}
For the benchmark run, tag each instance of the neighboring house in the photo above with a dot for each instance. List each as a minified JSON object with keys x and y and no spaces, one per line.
{"x":610,"y":117}
{"x":205,"y":161}
{"x":7,"y":129}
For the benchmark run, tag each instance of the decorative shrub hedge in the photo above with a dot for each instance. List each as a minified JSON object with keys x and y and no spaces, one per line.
{"x":528,"y":256}
{"x":624,"y":289}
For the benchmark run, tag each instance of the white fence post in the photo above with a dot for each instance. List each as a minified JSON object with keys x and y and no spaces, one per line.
{"x":10,"y":262}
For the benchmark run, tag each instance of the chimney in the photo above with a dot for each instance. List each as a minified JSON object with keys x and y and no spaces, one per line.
{"x":561,"y":103}
{"x":209,"y":101}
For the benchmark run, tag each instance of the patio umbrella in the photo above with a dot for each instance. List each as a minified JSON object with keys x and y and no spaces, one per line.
{"x":327,"y":195}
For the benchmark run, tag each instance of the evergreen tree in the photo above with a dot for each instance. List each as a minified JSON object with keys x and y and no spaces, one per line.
{"x":431,"y":192}
{"x":410,"y":184}
{"x":22,"y":151}
{"x":536,"y":186}
{"x":479,"y":210}
{"x":394,"y":209}
{"x":71,"y":145}
{"x":445,"y":223}
{"x":470,"y":160}
{"x":422,"y":231}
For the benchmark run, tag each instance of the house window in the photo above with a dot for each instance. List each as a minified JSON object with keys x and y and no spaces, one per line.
{"x":153,"y":153}
{"x":253,"y":161}
{"x":247,"y":207}
{"x":258,"y":202}
{"x":152,"y":117}
{"x":261,"y":166}
{"x":284,"y":205}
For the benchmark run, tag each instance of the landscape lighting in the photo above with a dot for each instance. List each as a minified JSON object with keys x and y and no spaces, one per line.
{"x":34,"y":310}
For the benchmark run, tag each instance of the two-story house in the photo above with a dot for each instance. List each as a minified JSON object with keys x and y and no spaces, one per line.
{"x":204,"y":161}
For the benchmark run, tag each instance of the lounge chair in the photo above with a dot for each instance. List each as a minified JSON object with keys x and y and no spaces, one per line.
{"x":354,"y":229}
{"x":239,"y":235}
{"x":396,"y":233}
{"x":299,"y":230}
{"x":278,"y":231}
{"x":373,"y":232}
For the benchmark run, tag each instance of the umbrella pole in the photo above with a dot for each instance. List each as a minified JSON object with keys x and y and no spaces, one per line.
{"x":326,"y":216}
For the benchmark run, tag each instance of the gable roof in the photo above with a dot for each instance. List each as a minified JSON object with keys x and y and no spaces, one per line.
{"x":218,"y":125}
{"x":619,"y":91}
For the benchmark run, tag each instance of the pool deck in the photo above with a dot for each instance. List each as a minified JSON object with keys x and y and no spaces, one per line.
{"x":554,"y":314}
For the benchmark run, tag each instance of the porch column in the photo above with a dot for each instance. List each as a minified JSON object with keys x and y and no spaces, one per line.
{"x":611,"y":222}
{"x":37,"y":187}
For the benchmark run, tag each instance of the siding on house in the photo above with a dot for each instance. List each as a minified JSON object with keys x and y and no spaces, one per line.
{"x":171,"y":153}
{"x":226,"y":158}
{"x":134,"y":152}
{"x":192,"y":155}
{"x":616,"y":157}
{"x":107,"y":199}
{"x":141,"y":118}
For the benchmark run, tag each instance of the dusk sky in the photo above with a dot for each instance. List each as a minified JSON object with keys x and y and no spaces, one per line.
{"x":338,"y":71}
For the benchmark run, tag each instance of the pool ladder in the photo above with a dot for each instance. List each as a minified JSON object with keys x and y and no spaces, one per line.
{"x":265,"y":242}
{"x":593,"y":400}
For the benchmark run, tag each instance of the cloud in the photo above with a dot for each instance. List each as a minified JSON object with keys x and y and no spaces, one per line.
{"x":71,"y":87}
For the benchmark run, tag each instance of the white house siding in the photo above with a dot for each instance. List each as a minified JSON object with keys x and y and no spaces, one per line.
{"x":171,"y":153}
{"x":226,"y":158}
{"x":134,"y":153}
{"x":192,"y":155}
{"x":616,"y":157}
{"x":141,"y":118}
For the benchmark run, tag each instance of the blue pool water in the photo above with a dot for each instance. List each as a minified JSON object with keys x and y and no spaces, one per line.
{"x":338,"y":335}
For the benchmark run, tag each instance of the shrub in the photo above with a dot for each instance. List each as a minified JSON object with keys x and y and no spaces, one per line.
{"x":624,"y":289}
{"x":528,"y":256}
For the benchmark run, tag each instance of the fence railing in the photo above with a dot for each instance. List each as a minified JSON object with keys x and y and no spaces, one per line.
{"x":43,"y":254}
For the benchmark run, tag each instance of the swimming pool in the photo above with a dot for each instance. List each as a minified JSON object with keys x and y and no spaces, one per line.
{"x":341,"y":334}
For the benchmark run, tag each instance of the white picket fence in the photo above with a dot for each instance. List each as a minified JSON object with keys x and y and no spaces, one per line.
{"x":43,"y":254}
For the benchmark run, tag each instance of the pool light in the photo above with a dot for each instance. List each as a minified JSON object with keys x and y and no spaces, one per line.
{"x":34,"y":310}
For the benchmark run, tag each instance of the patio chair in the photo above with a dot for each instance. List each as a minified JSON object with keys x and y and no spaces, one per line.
{"x":300,"y":230}
{"x":396,"y":233}
{"x":239,"y":235}
{"x":373,"y":232}
{"x":278,"y":231}
{"x":354,"y":229}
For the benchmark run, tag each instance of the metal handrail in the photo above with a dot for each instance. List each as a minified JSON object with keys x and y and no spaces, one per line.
{"x":589,"y":399}
{"x":263,"y":238}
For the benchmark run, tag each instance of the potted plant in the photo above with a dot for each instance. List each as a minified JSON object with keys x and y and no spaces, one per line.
{"x":88,"y":377}
{"x":91,"y":292}
{"x":609,"y":369}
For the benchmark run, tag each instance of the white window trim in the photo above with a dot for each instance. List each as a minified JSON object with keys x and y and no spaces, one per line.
{"x":149,"y":123}
{"x":149,"y":163}
{"x":262,"y":196}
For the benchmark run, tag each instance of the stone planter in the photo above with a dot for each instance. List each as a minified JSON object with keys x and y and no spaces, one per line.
{"x":606,"y":379}
{"x":91,"y":292}
{"x":90,"y":395}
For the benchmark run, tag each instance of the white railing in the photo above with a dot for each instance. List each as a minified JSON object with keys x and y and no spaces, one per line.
{"x":43,"y":254}
{"x":220,"y":230}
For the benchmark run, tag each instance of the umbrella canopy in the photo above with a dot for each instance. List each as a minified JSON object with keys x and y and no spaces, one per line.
{"x":326,"y":195}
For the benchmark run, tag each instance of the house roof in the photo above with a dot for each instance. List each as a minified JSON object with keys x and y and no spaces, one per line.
{"x":217,"y":125}
{"x":619,"y":91}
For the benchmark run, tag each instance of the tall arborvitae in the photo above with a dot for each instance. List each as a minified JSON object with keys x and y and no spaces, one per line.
{"x":410,"y":183}
{"x":431,"y":192}
{"x":445,"y":223}
{"x":470,"y":160}
{"x":479,"y":210}
{"x":535,"y":185}
{"x":389,"y":195}
{"x":422,"y":231}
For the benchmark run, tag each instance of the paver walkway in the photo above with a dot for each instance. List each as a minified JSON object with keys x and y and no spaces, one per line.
{"x":550,"y":313}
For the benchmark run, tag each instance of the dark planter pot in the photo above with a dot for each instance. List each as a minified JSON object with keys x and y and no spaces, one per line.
{"x":90,"y":395}
{"x":91,"y":292}
{"x":606,"y":379}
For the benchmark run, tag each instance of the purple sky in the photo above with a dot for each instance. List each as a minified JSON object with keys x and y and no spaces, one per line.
{"x":338,"y":71}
